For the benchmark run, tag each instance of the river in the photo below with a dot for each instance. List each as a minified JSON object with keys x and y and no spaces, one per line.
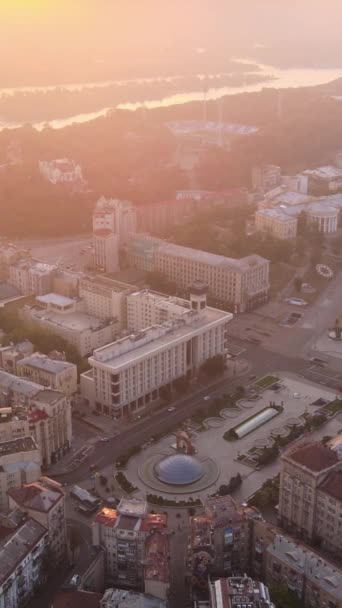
{"x":279,"y":78}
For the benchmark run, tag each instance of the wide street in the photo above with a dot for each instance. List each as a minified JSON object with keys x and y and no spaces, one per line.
{"x":104,"y":454}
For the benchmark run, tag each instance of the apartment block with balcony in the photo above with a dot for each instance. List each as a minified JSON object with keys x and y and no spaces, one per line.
{"x":123,"y":533}
{"x":44,"y":501}
{"x":305,"y":467}
{"x":22,"y":553}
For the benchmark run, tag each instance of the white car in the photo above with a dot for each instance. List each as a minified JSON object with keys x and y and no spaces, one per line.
{"x":171,"y":409}
{"x":206,"y":398}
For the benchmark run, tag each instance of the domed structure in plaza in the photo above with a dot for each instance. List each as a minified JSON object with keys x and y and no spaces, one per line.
{"x":179,"y":470}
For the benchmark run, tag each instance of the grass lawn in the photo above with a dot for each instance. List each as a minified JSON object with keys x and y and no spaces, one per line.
{"x":333,"y":407}
{"x":266,"y":381}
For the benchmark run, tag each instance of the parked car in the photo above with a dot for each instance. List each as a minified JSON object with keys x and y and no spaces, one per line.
{"x":171,"y":409}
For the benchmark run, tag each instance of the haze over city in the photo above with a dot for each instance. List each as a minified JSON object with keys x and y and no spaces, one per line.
{"x":170,"y":304}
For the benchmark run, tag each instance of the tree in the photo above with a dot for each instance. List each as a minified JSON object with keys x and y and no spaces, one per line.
{"x":214,"y":366}
{"x":298,"y":282}
{"x":283,"y":597}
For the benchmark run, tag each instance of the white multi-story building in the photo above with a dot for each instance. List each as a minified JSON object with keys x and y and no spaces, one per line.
{"x":22,"y":554}
{"x":116,"y":216}
{"x":277,"y":223}
{"x":44,"y":501}
{"x":128,"y":374}
{"x":62,"y":316}
{"x":52,"y":373}
{"x":105,"y":298}
{"x":324,"y":217}
{"x":266,"y":177}
{"x":123,"y":532}
{"x":19,"y":463}
{"x":106,"y":250}
{"x":237,"y":284}
{"x":41,"y":412}
{"x":61,"y":171}
{"x":31,"y":276}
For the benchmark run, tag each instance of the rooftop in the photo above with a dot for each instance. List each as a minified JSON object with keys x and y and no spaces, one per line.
{"x":326,"y":173}
{"x":240,"y":591}
{"x":141,"y":241}
{"x":36,"y":496}
{"x":47,"y":395}
{"x":23,"y":444}
{"x":130,"y":599}
{"x":313,"y":456}
{"x":20,"y":544}
{"x":134,"y":507}
{"x":107,"y":517}
{"x":73,"y":321}
{"x":276,"y":214}
{"x":332,"y":485}
{"x":108,"y":283}
{"x":302,"y":560}
{"x":77,"y":599}
{"x":38,"y":361}
{"x":8,"y":382}
{"x":55,"y":300}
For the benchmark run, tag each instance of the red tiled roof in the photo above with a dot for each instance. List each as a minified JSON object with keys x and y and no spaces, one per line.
{"x":76,"y":599}
{"x":314,"y":456}
{"x":332,"y":485}
{"x":153,"y":521}
{"x":107,"y":517}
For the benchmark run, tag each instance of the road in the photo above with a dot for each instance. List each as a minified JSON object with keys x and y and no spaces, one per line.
{"x":262,"y":362}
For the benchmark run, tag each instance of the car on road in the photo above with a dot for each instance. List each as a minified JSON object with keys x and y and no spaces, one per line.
{"x":75,"y":580}
{"x":171,"y":409}
{"x":104,"y":439}
{"x":206,"y":398}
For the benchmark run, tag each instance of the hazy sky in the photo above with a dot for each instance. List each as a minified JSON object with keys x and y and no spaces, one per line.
{"x":42,"y":37}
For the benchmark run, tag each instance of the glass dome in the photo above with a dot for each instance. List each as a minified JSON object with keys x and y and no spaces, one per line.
{"x":178,"y":469}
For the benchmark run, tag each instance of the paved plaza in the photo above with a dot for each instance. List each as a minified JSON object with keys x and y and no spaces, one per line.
{"x":297,"y":397}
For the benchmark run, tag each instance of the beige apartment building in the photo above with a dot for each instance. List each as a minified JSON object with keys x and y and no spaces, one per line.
{"x":105,"y":298}
{"x":146,"y":308}
{"x":44,"y":501}
{"x":310,"y":501}
{"x":315,"y":581}
{"x":277,"y":223}
{"x":106,"y":251}
{"x":128,"y":374}
{"x":31,"y":409}
{"x":19,"y":463}
{"x":235,"y":284}
{"x":51,"y":373}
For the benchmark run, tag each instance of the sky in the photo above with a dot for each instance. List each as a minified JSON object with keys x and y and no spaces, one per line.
{"x":49,"y":39}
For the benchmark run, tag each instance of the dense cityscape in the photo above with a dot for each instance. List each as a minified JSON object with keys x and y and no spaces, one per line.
{"x":171,"y":348}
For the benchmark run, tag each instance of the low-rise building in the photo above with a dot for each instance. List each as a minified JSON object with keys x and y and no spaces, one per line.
{"x":61,"y":171}
{"x":22,"y":555}
{"x":44,"y":501}
{"x":234,"y":284}
{"x":31,"y":277}
{"x":128,"y":374}
{"x":58,"y":375}
{"x":63,"y":316}
{"x":41,"y":412}
{"x":277,"y":223}
{"x":105,"y":298}
{"x":324,"y":180}
{"x":10,"y":355}
{"x":19,"y":463}
{"x":123,"y":533}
